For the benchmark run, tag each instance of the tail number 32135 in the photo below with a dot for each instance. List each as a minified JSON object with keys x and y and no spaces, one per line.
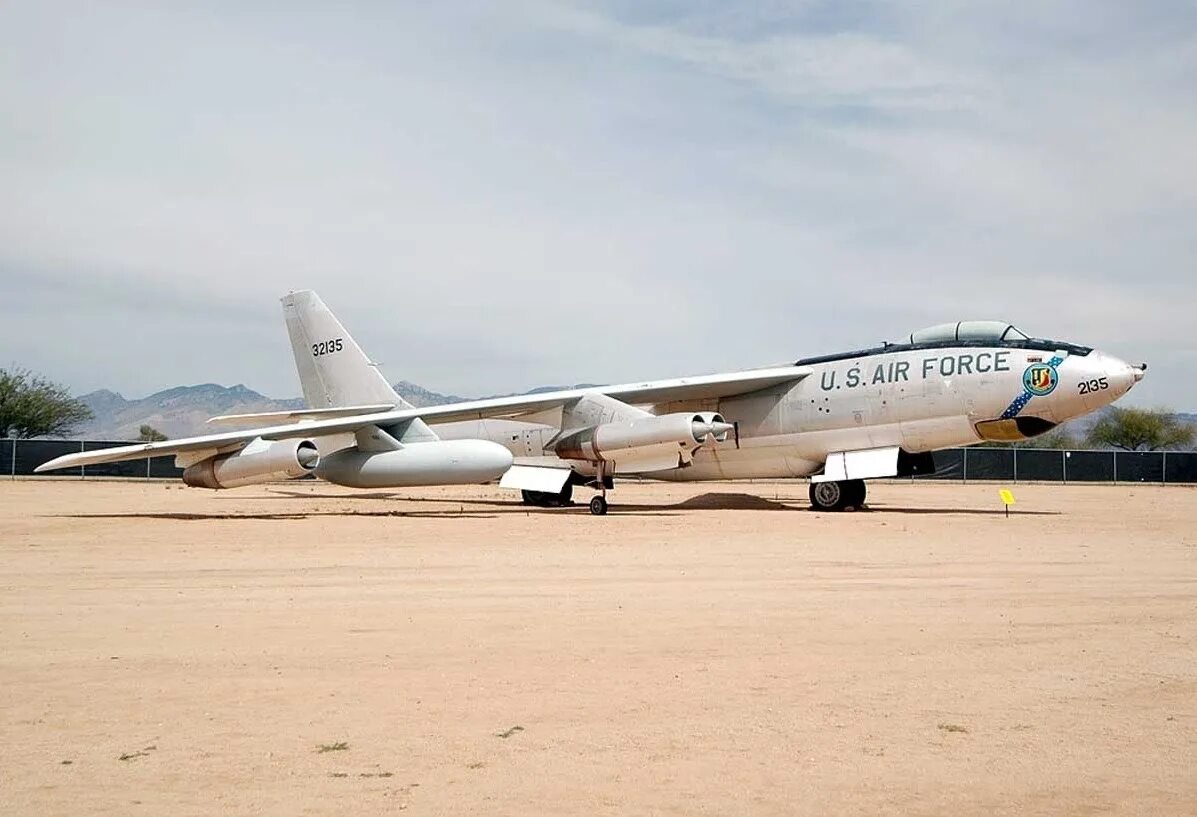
{"x":327,"y":347}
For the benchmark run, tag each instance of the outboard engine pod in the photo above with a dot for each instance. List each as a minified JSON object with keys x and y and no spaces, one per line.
{"x":260,"y":461}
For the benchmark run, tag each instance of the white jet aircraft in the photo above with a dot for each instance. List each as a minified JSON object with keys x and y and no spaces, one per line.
{"x":839,"y":419}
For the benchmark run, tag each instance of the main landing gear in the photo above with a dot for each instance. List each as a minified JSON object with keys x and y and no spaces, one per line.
{"x":563,"y":499}
{"x":837,"y":496}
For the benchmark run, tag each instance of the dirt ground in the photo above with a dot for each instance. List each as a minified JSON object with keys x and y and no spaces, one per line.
{"x":704,"y":649}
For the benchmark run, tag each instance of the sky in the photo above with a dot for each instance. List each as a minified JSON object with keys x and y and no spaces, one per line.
{"x":496,"y":196}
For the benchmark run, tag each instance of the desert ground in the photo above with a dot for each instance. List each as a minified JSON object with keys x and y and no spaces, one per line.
{"x":719,"y":649}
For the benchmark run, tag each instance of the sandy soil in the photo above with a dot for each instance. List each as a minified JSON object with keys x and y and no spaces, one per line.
{"x":302,"y":649}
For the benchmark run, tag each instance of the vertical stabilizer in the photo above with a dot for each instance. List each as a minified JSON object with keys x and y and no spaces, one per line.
{"x":333,"y":369}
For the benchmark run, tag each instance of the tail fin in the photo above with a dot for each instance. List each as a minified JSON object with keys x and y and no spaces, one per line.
{"x":333,"y":369}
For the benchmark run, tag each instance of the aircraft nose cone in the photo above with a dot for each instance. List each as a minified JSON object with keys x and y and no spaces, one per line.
{"x":1121,"y":375}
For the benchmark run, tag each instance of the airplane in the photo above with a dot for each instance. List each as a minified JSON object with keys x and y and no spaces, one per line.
{"x":839,"y":419}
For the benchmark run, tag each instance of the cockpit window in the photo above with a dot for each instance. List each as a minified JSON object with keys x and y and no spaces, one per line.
{"x":986,"y":331}
{"x":961,"y":333}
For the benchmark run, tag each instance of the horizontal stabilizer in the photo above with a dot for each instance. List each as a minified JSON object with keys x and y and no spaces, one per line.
{"x":298,"y":414}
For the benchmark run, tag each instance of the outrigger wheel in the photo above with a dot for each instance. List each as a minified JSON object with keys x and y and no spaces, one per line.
{"x":836,"y":496}
{"x":598,"y":505}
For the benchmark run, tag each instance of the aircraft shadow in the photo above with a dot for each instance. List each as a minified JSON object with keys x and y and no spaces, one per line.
{"x":702,"y":502}
{"x":714,"y":501}
{"x":281,"y":494}
{"x":187,"y":517}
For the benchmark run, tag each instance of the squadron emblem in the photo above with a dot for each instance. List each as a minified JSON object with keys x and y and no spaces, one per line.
{"x":1040,"y":379}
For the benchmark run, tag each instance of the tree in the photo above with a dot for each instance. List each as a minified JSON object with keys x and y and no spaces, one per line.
{"x":149,"y":434}
{"x":1132,"y":429}
{"x":1058,"y":437}
{"x":31,"y":406}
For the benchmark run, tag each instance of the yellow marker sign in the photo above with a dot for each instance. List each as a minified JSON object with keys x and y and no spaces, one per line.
{"x":1007,"y":497}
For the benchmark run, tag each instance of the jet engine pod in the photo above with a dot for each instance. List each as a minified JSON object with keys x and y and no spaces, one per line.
{"x":439,"y":462}
{"x":707,"y":427}
{"x":260,"y":461}
{"x":684,"y":430}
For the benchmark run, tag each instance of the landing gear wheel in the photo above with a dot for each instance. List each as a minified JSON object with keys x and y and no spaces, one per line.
{"x":836,"y":496}
{"x":828,"y":496}
{"x":598,"y":505}
{"x":855,"y":491}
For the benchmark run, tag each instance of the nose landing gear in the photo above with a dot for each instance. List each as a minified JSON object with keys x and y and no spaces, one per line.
{"x":837,"y":496}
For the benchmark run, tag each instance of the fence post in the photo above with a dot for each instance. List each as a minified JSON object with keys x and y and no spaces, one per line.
{"x":964,"y":467}
{"x":1115,"y":455}
{"x":147,"y":467}
{"x":1064,"y":465}
{"x":82,"y":468}
{"x":13,"y":465}
{"x":1015,"y":450}
{"x":1164,"y":469}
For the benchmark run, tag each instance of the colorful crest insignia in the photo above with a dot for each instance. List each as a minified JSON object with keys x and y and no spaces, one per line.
{"x":1040,"y":379}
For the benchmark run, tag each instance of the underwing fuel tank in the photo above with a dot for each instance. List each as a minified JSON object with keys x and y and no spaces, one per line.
{"x":441,"y":462}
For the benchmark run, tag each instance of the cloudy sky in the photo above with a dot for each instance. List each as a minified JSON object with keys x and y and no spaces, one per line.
{"x":494,"y":196}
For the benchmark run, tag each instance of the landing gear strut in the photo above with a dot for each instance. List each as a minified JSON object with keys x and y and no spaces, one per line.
{"x":598,"y":504}
{"x":836,"y":496}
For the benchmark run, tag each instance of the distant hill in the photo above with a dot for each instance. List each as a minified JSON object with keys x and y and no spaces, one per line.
{"x":183,"y":411}
{"x":179,"y":412}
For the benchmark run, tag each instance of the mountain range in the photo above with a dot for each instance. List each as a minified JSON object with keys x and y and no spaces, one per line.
{"x":183,"y":411}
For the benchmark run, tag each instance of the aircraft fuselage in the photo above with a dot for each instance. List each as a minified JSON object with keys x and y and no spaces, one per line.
{"x":917,"y":397}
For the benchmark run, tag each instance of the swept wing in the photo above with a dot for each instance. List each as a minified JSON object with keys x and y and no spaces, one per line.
{"x":702,"y":387}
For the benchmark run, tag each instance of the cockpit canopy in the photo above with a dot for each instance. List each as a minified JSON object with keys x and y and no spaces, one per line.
{"x":994,"y":332}
{"x":961,"y":333}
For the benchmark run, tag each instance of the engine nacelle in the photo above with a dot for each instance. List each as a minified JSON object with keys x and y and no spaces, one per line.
{"x":681,"y":431}
{"x":260,"y":461}
{"x":440,"y":462}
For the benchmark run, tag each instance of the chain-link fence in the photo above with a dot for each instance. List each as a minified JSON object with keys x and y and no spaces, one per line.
{"x":1053,"y":465}
{"x":20,"y":457}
